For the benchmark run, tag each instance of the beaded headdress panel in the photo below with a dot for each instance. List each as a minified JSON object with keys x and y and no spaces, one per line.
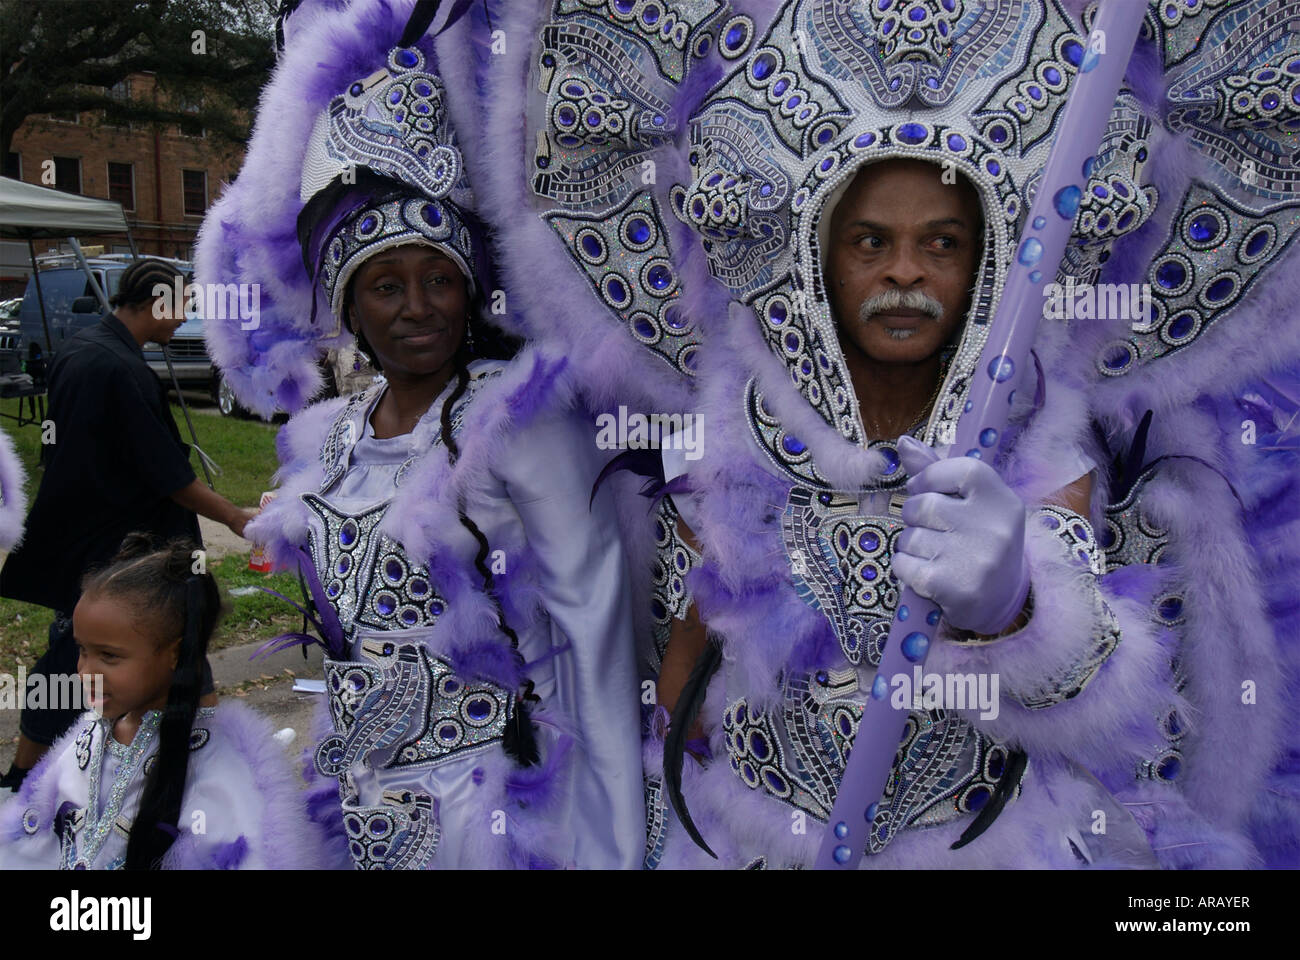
{"x":394,"y":123}
{"x":975,"y":89}
{"x":804,"y":93}
{"x":342,"y":105}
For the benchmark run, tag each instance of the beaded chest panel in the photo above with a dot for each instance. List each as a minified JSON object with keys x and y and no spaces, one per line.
{"x":839,"y":563}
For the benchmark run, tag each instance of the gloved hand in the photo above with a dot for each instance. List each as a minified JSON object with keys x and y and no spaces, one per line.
{"x":964,"y":546}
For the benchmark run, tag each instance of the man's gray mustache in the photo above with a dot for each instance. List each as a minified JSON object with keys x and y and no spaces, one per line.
{"x":892,"y":300}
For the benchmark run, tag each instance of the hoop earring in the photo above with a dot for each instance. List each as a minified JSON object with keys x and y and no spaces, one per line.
{"x":469,"y":335}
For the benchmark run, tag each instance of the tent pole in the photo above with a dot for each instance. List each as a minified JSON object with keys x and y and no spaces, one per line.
{"x":90,"y":276}
{"x":40,"y":299}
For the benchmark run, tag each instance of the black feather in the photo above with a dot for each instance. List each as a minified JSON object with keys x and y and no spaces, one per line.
{"x":688,"y":706}
{"x":1006,"y":787}
{"x":519,"y":740}
{"x":421,"y":16}
{"x":1135,"y":463}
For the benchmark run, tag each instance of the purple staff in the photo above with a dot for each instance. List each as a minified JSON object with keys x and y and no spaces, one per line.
{"x":1011,"y":334}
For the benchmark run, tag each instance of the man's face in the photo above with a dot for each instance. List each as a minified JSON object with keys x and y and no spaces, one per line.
{"x":901,"y":260}
{"x":167,"y":319}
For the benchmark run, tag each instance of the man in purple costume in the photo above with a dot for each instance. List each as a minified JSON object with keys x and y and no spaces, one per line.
{"x":839,"y":193}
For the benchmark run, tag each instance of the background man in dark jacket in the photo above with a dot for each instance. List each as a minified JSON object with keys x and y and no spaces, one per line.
{"x":117,"y":465}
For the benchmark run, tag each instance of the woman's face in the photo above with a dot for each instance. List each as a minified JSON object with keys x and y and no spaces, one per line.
{"x":411,"y":305}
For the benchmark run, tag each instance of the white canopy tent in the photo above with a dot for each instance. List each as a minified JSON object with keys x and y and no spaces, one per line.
{"x":28,"y":211}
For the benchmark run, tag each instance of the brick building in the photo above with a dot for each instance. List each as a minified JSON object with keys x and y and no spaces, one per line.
{"x":165,"y":177}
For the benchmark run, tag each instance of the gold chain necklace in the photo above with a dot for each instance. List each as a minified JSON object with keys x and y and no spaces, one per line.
{"x":944,"y":361}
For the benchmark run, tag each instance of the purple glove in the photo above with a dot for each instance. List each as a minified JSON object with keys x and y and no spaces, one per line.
{"x":964,"y":546}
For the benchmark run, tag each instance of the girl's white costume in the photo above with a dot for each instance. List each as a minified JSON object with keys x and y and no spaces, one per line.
{"x":242,"y":808}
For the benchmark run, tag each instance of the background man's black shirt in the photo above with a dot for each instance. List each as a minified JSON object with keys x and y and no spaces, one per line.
{"x":116,"y":459}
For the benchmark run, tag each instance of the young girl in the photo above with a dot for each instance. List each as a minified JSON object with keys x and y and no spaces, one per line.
{"x":149,"y":780}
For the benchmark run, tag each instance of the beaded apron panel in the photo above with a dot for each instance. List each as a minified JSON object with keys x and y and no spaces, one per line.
{"x":402,"y":833}
{"x":944,"y":767}
{"x":839,"y":563}
{"x":402,"y":703}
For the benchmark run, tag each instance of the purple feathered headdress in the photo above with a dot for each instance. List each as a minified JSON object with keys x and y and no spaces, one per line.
{"x":349,"y":109}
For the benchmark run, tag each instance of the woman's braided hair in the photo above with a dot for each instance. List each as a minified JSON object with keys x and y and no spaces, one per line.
{"x":518,"y":740}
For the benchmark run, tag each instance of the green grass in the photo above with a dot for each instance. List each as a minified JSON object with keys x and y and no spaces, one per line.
{"x":245,"y":450}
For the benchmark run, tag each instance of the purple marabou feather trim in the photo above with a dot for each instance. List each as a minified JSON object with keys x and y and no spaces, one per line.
{"x":1273,"y":524}
{"x":1112,"y":723}
{"x":321,"y":795}
{"x":229,"y":856}
{"x":1273,"y":824}
{"x":565,"y":310}
{"x":535,"y":392}
{"x":250,"y":236}
{"x":1228,"y":639}
{"x":1138,"y":582}
{"x":1180,"y":836}
{"x":13,"y":495}
{"x":1146,"y":76}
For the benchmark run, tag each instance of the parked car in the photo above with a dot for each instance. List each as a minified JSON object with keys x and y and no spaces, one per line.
{"x":71,"y":306}
{"x":9,"y":331}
